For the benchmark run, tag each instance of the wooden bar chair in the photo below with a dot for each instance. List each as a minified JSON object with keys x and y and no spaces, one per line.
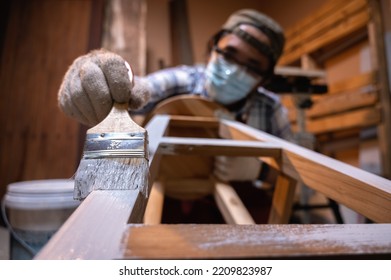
{"x":189,"y":175}
{"x":109,"y":223}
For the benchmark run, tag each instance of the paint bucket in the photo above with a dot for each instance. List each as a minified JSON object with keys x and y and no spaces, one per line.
{"x":34,"y":211}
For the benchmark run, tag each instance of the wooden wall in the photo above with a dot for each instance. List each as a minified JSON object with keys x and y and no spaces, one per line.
{"x":345,"y":39}
{"x":42,"y":39}
{"x":205,"y":17}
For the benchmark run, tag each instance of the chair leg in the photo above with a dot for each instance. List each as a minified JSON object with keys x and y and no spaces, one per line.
{"x":231,"y":206}
{"x":154,"y":210}
{"x":283,"y":198}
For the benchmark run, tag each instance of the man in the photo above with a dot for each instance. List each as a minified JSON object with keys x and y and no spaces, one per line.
{"x":242,"y":58}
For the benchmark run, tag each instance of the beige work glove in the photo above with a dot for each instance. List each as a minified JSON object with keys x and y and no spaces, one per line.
{"x":93,"y":82}
{"x":237,"y":168}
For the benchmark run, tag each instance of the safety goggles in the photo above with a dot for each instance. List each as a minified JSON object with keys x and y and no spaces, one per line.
{"x":252,"y":70}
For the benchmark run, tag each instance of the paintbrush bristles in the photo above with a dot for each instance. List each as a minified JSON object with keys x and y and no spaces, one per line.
{"x":111,"y":174}
{"x":115,"y":156}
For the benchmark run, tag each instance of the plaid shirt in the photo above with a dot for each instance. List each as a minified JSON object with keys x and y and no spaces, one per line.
{"x":262,"y":109}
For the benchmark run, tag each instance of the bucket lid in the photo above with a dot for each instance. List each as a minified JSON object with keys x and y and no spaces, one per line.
{"x":41,"y":194}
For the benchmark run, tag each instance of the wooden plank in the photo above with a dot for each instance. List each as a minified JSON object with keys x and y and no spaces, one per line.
{"x":327,"y":8}
{"x":256,"y":241}
{"x":125,"y":32}
{"x":297,"y":71}
{"x":323,"y":24}
{"x":354,"y":23}
{"x":336,"y":104}
{"x":342,"y":96}
{"x":355,"y":119}
{"x":354,"y":82}
{"x":193,"y":121}
{"x":339,"y":103}
{"x":342,"y":102}
{"x":377,"y":33}
{"x":153,"y":212}
{"x":156,"y":128}
{"x":188,"y":106}
{"x":283,"y":198}
{"x":231,"y":206}
{"x":182,"y":52}
{"x":38,"y":140}
{"x":188,"y":188}
{"x":359,"y":190}
{"x":95,"y":229}
{"x":213,"y":147}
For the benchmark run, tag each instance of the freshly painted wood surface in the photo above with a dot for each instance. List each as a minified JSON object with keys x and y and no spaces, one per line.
{"x":95,"y":229}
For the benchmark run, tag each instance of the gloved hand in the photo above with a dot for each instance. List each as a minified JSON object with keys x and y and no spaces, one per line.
{"x":93,"y":82}
{"x":237,"y":168}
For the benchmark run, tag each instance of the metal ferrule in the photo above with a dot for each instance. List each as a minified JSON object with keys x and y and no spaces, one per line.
{"x":115,"y":145}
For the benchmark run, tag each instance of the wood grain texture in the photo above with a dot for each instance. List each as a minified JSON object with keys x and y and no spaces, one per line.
{"x":154,"y":210}
{"x":255,"y":241}
{"x":186,"y":105}
{"x":377,"y":35}
{"x":42,"y":39}
{"x":231,"y":206}
{"x":95,"y":229}
{"x":332,"y":22}
{"x":361,"y":191}
{"x":118,"y":120}
{"x":177,"y":168}
{"x":213,"y":147}
{"x":354,"y":119}
{"x":283,"y":198}
{"x":125,"y":32}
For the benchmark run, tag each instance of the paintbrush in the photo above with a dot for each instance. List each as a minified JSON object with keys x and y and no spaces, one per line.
{"x":115,"y":155}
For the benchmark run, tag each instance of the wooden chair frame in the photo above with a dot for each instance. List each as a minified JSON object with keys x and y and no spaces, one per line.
{"x":108,"y":223}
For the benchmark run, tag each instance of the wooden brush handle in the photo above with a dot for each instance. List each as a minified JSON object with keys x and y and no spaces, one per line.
{"x":118,"y":120}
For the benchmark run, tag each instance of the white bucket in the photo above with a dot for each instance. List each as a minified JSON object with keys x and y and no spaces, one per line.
{"x":36,"y":210}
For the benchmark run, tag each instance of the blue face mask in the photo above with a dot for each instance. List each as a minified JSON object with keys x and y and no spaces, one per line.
{"x":227,"y":82}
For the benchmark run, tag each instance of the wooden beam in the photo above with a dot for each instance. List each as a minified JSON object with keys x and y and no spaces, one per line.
{"x":231,"y":206}
{"x":213,"y":147}
{"x":354,"y":82}
{"x":283,"y":198}
{"x":156,"y":128}
{"x":182,"y":52}
{"x":360,"y":118}
{"x":326,"y":21}
{"x":193,"y":121}
{"x":345,"y":25}
{"x":359,"y":190}
{"x":257,"y":241}
{"x":188,"y":188}
{"x":153,"y":212}
{"x":376,"y":30}
{"x":342,"y":103}
{"x":125,"y":32}
{"x":331,"y":105}
{"x":297,"y":71}
{"x":95,"y":229}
